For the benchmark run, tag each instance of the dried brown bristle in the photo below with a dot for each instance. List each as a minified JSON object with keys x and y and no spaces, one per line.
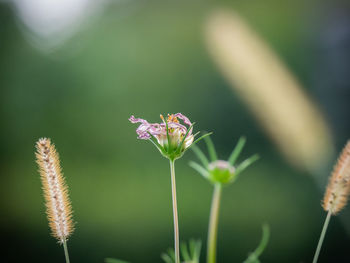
{"x":58,"y":207}
{"x":338,"y":188}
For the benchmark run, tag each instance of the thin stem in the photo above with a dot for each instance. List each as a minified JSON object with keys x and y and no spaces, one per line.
{"x":66,"y":251}
{"x":176,"y":221}
{"x":323,"y":233}
{"x":213,"y":224}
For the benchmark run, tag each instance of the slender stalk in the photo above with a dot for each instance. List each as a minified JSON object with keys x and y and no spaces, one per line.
{"x":176,"y":221}
{"x":66,"y":251}
{"x":323,"y":233}
{"x":213,"y":224}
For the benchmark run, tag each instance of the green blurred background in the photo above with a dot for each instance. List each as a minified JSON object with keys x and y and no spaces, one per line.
{"x":146,"y":58}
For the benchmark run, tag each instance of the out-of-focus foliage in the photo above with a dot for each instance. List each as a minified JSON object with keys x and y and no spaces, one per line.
{"x":254,"y":256}
{"x":190,"y":253}
{"x":272,"y":93}
{"x":113,"y":260}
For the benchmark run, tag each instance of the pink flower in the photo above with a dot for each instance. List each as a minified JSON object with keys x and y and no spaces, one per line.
{"x":172,"y":136}
{"x":176,"y":130}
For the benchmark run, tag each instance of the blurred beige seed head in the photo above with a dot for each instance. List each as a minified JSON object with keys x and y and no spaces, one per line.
{"x":58,"y":207}
{"x":338,"y":188}
{"x":269,"y":89}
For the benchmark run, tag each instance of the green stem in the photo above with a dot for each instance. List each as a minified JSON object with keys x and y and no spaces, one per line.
{"x":66,"y":251}
{"x":176,"y":221}
{"x":323,"y":233}
{"x":213,"y":224}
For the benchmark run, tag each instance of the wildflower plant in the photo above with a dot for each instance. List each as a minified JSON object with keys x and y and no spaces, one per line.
{"x":219,"y":173}
{"x":172,"y":138}
{"x":58,"y":206}
{"x":337,"y":192}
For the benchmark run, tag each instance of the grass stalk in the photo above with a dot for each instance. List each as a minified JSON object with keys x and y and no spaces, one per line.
{"x":323,"y":233}
{"x":66,"y":251}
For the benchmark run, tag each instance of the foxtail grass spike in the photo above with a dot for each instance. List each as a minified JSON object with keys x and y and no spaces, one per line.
{"x":259,"y":77}
{"x":337,"y":193}
{"x":58,"y":206}
{"x":338,"y":188}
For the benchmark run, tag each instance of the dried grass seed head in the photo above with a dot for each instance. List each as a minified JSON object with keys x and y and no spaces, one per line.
{"x":58,"y":206}
{"x":338,"y":188}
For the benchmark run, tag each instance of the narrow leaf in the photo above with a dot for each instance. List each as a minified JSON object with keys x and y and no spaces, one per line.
{"x":237,"y":150}
{"x":254,"y":257}
{"x":264,"y":240}
{"x":200,"y":169}
{"x":171,"y":253}
{"x":167,"y":134}
{"x":194,"y":135}
{"x":195,"y":249}
{"x":166,"y":258}
{"x":211,"y":149}
{"x":242,"y":166}
{"x":184,"y":252}
{"x":202,"y":137}
{"x":201,"y":156}
{"x":184,"y":138}
{"x":154,"y":141}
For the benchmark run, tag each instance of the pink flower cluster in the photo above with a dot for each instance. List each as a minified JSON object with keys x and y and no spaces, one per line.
{"x":176,"y":130}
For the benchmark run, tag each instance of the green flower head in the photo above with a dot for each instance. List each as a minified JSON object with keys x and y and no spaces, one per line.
{"x":220,"y":171}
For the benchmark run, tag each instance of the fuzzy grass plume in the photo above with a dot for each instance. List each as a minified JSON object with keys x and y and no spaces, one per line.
{"x":58,"y":206}
{"x":271,"y":92}
{"x":337,"y":192}
{"x":338,"y":188}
